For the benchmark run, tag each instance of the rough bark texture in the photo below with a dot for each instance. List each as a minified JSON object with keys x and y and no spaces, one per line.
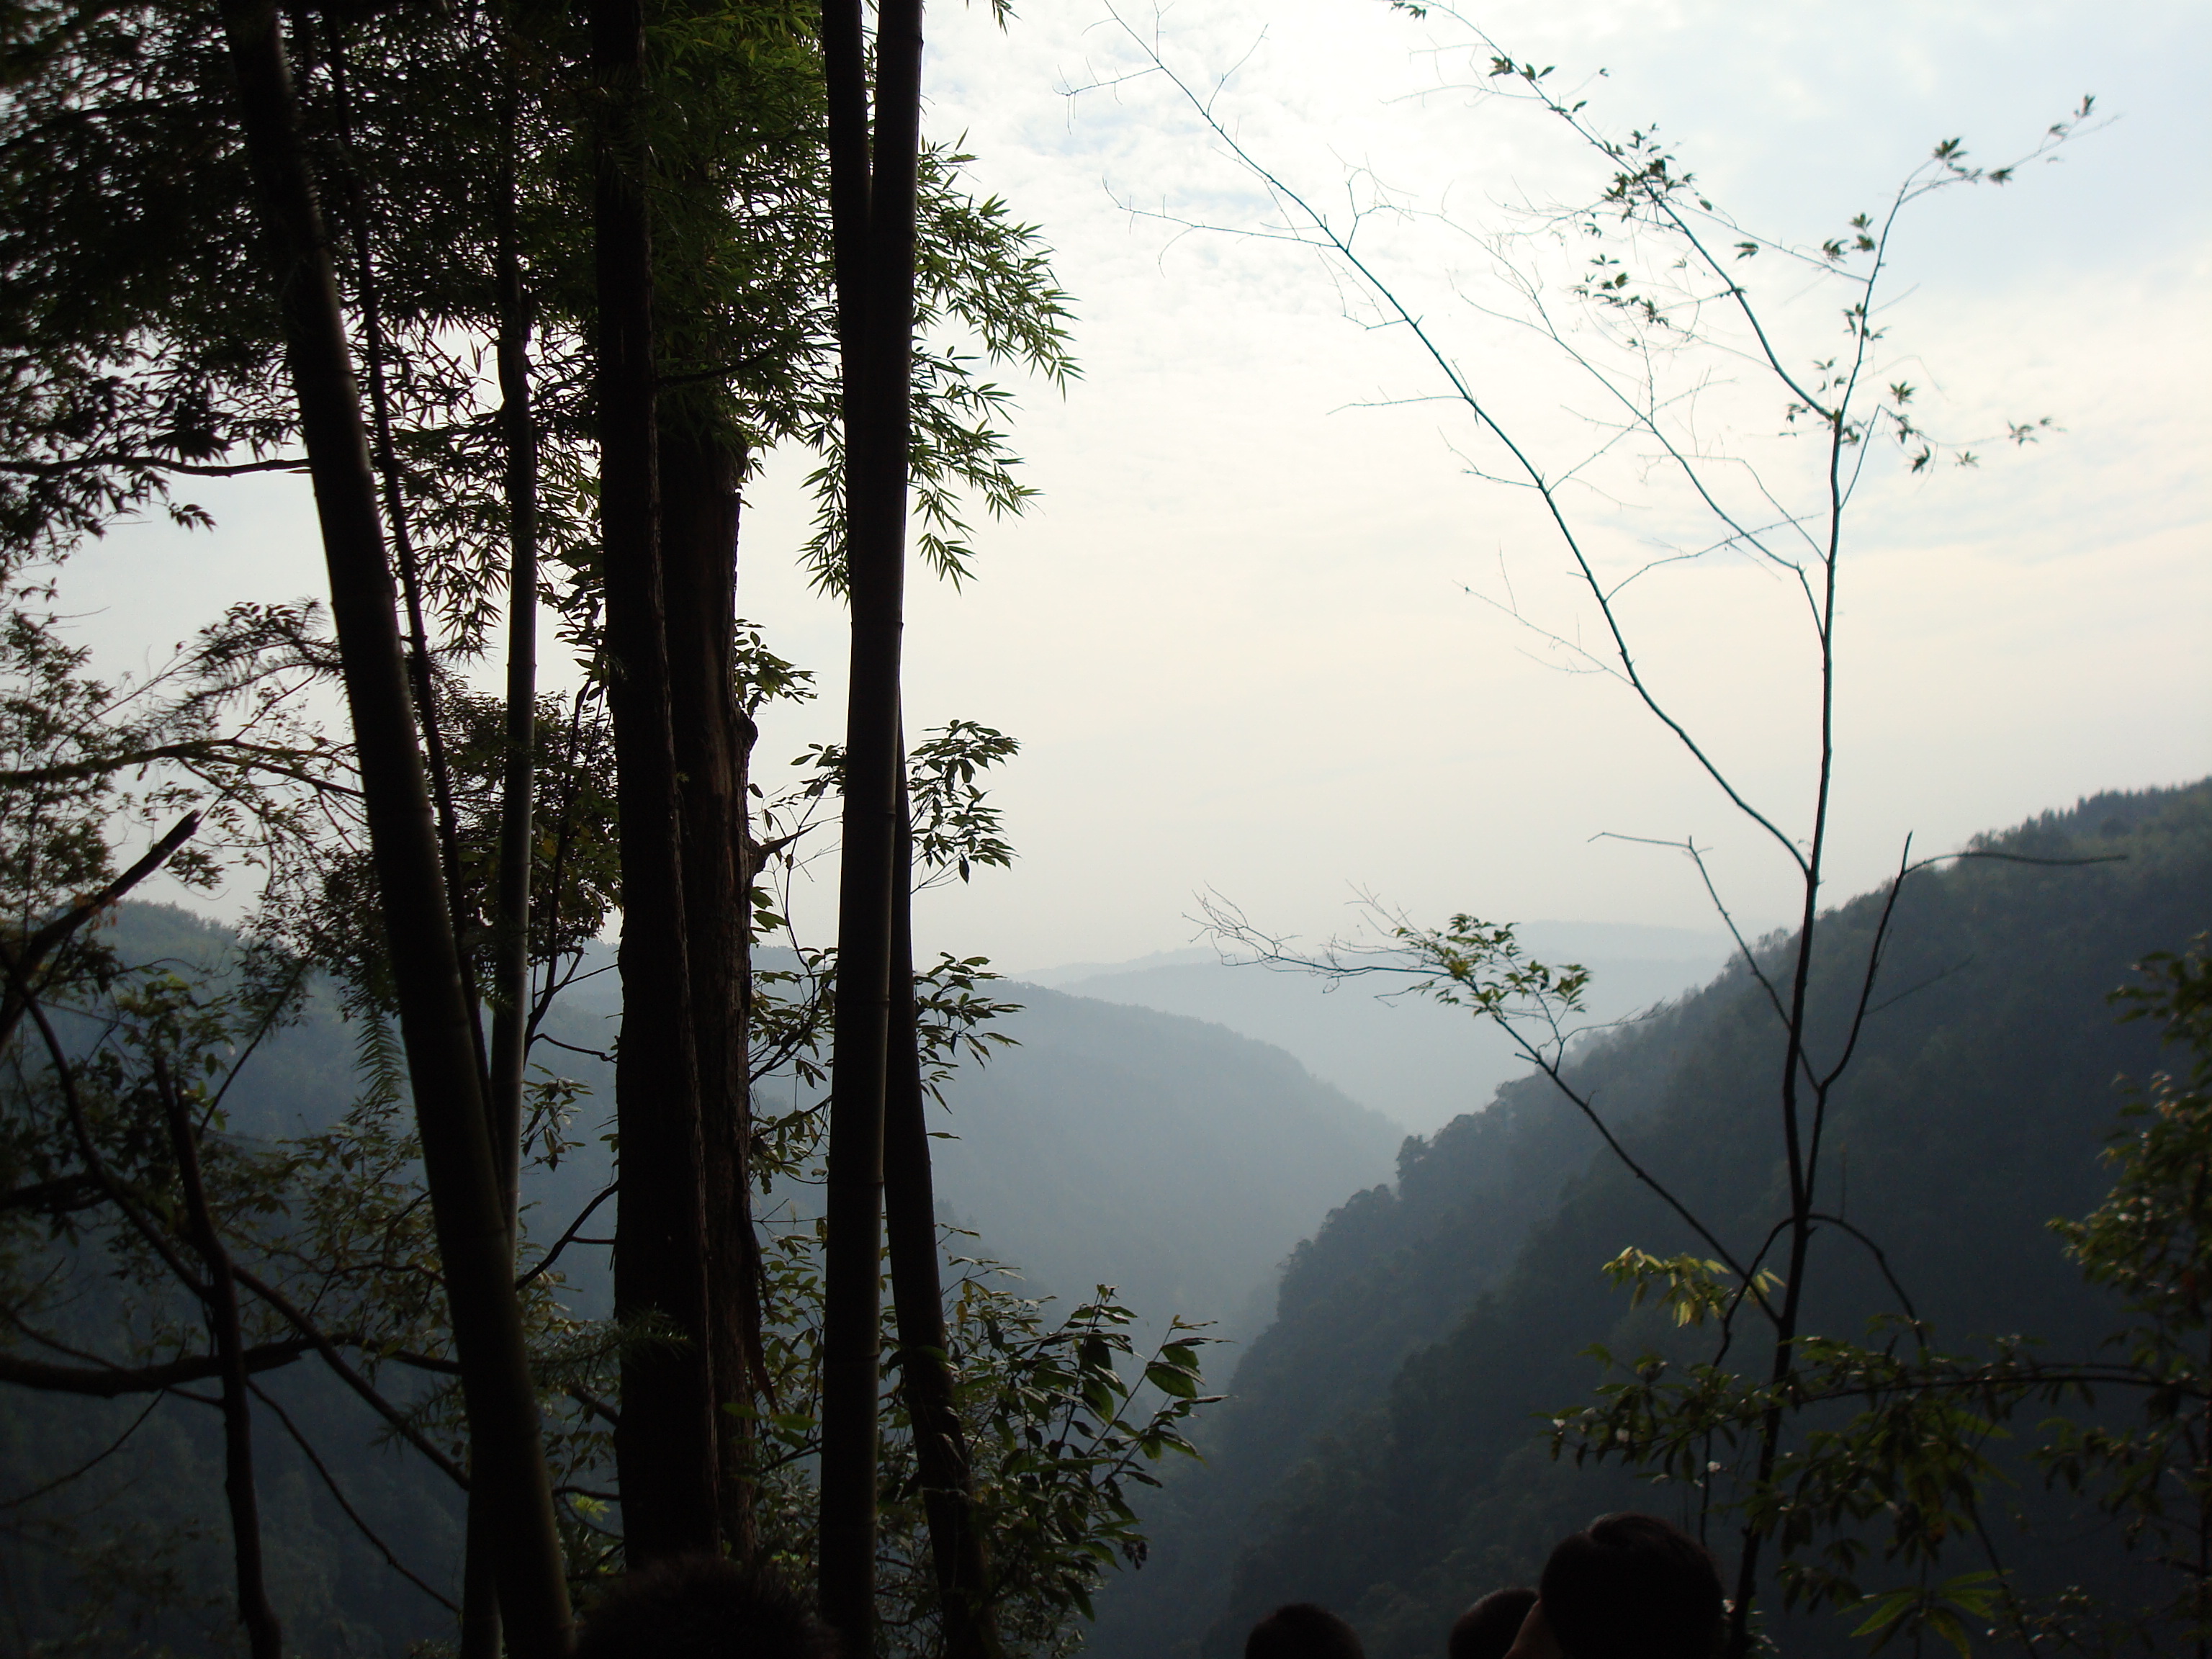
{"x":665,"y":1446}
{"x":878,"y":417}
{"x":948,"y":1495}
{"x":437,"y":1023}
{"x":699,"y":472}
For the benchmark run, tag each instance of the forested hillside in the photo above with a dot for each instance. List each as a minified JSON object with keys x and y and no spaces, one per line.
{"x":1169,"y":1157}
{"x":1391,"y":1052}
{"x":1379,"y":1452}
{"x":1166,"y":1156}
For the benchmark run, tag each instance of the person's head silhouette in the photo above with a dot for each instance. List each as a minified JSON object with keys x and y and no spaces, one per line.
{"x":1302,"y":1631}
{"x":703,"y":1607}
{"x":1630,"y":1587}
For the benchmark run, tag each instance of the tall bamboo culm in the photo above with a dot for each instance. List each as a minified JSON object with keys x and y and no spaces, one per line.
{"x":436,"y":1024}
{"x":875,"y":282}
{"x":924,"y":1367}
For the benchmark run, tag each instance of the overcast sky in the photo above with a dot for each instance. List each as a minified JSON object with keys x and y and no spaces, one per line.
{"x":1235,"y":635}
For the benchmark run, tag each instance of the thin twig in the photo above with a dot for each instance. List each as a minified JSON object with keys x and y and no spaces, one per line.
{"x":330,"y":1484}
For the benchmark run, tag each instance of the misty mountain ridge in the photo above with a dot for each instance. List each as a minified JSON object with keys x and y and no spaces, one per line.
{"x":1378,"y":1450}
{"x":1375,"y":1451}
{"x":1416,"y":1063}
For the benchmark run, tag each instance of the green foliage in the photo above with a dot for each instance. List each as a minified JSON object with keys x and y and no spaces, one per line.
{"x":1480,"y":966}
{"x":1690,"y":1287}
{"x":984,"y":274}
{"x":1385,"y":1448}
{"x":1059,"y":1435}
{"x":1911,"y":1457}
{"x":1936,"y":1609}
{"x":137,"y":349}
{"x":2150,"y":1242}
{"x":953,"y":829}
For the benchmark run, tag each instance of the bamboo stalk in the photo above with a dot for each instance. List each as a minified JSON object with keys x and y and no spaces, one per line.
{"x":940,"y":1443}
{"x":437,"y":1024}
{"x":510,"y":943}
{"x":880,"y":287}
{"x":665,"y":1447}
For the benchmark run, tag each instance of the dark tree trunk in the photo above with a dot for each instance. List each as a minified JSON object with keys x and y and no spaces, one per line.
{"x":510,"y":950}
{"x":422,"y":674}
{"x":436,"y":1022}
{"x":940,"y":1444}
{"x":510,"y":940}
{"x":220,"y":1298}
{"x":878,"y":422}
{"x":699,"y":472}
{"x":665,"y":1446}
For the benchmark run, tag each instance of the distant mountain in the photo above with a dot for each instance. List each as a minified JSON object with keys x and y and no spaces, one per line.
{"x":1415,"y":1062}
{"x":1171,"y":1157}
{"x":1177,"y":1161}
{"x":1377,"y":1452}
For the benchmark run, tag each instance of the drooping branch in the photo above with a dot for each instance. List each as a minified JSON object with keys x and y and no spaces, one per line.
{"x":327,"y":1347}
{"x":152,"y":464}
{"x":568,"y":1234}
{"x":89,"y":1464}
{"x":1226,"y":923}
{"x":25,"y":960}
{"x":337,"y":1496}
{"x":205,"y":752}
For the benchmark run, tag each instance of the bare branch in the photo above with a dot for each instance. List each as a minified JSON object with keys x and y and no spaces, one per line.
{"x":331,"y":1485}
{"x":569,"y":1236}
{"x":112,"y":1382}
{"x":328,"y":1348}
{"x":88,"y":1465}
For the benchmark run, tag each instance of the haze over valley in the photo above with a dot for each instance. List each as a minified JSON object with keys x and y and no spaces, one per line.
{"x":1076,"y":831}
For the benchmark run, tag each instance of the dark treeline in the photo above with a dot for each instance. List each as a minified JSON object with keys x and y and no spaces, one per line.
{"x":1380,"y":1450}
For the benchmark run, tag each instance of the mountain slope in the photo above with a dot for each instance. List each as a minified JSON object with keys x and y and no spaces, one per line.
{"x":1393,"y":1053}
{"x":1171,"y":1158}
{"x":1168,"y":1157}
{"x":1378,"y":1454}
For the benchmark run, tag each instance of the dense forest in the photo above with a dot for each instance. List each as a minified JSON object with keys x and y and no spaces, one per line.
{"x":1381,"y":1450}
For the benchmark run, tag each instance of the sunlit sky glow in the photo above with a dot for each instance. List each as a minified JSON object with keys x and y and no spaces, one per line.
{"x":1235,"y":635}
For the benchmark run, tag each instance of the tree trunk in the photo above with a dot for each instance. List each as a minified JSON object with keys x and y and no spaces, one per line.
{"x":421,"y":672}
{"x":510,"y":949}
{"x":219,"y":1296}
{"x":877,"y":421}
{"x":436,"y":1022}
{"x":940,"y":1443}
{"x":699,"y":472}
{"x":510,"y":940}
{"x":665,"y":1446}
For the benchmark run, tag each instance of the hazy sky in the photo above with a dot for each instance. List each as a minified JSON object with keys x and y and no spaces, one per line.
{"x":1235,"y":635}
